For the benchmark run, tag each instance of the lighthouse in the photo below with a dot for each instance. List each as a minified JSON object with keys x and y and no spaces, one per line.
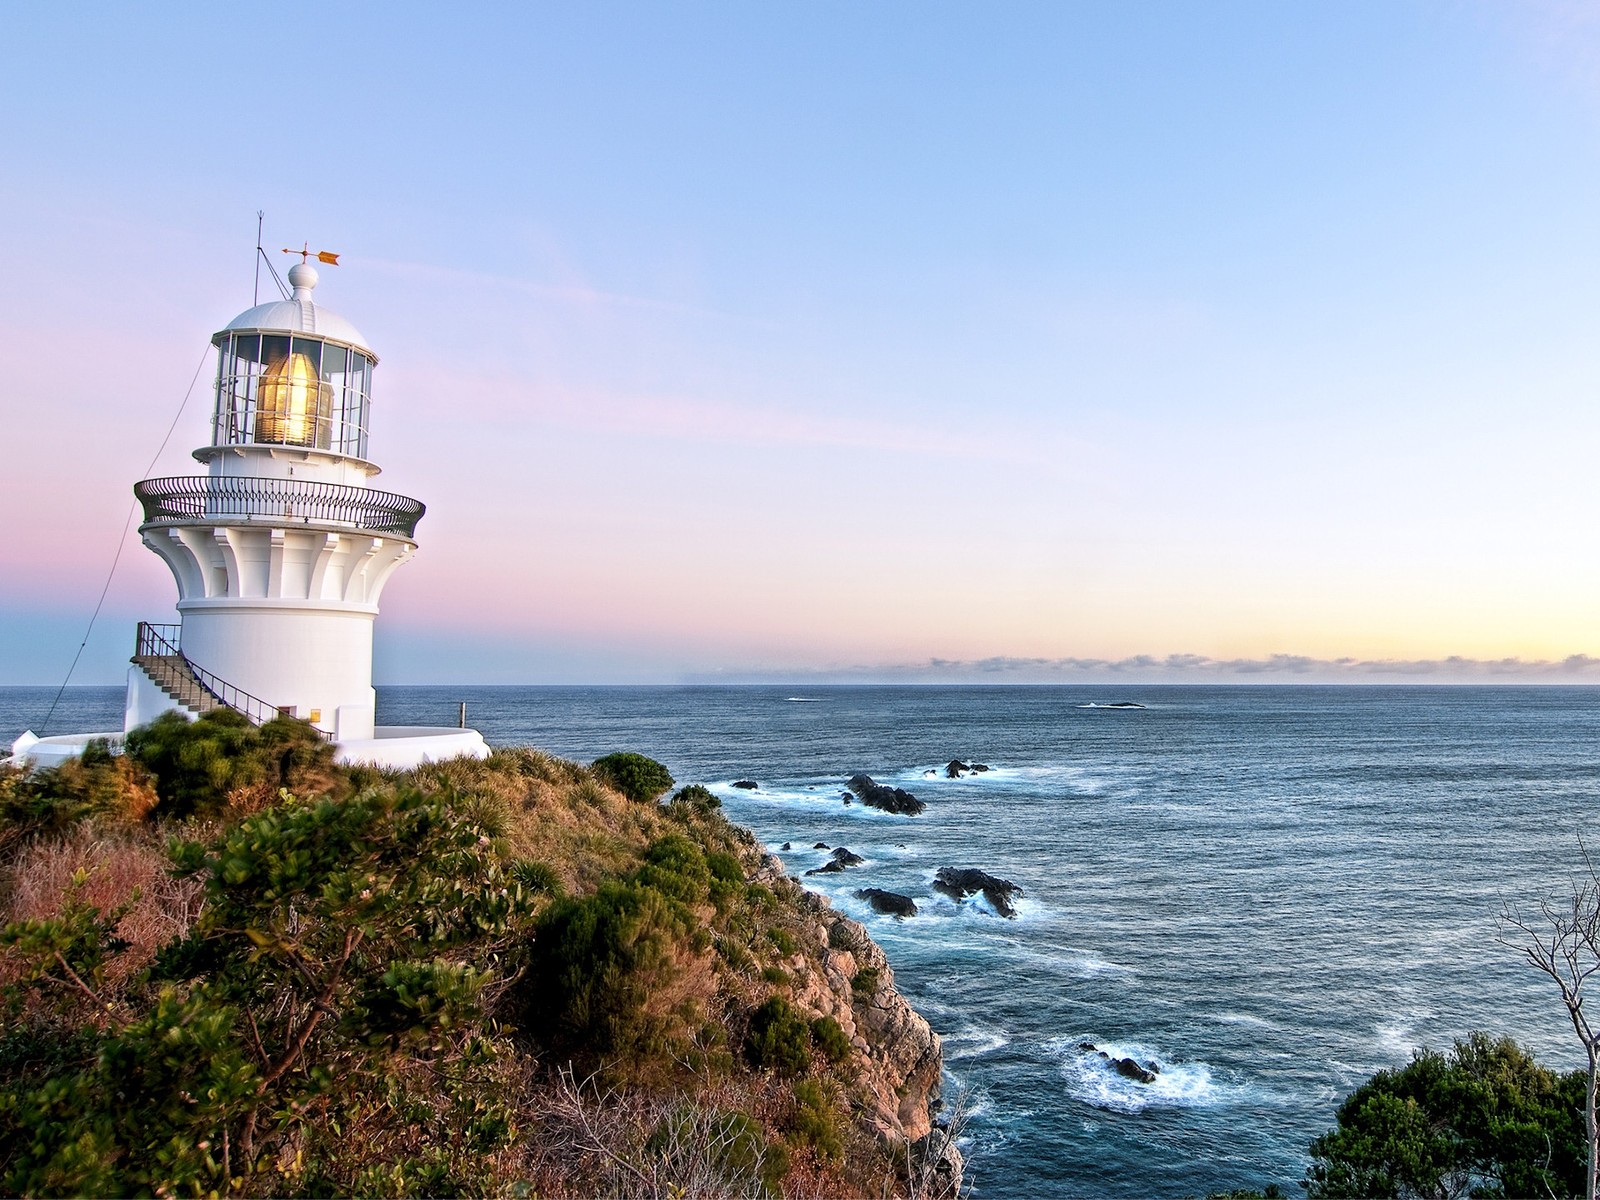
{"x":282,"y":548}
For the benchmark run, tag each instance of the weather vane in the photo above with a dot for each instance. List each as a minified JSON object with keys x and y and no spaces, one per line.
{"x":322,"y":256}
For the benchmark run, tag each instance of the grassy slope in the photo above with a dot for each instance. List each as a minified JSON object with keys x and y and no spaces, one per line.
{"x":553,"y":989}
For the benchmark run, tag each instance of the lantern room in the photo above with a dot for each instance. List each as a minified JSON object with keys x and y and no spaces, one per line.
{"x":295,"y":375}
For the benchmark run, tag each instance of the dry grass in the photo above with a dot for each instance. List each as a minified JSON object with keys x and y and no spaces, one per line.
{"x":555,"y":812}
{"x":122,"y":866}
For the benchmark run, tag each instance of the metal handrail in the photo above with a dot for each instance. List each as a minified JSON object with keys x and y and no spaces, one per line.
{"x":156,"y":641}
{"x":186,"y":498}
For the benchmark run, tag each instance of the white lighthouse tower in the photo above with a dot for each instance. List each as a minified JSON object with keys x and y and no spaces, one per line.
{"x":282,"y":548}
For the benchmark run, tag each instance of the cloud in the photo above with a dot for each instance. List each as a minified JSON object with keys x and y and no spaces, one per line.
{"x":1201,"y":668}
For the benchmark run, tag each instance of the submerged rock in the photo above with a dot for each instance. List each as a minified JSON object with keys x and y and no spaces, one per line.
{"x":881,"y":796}
{"x":747,"y":784}
{"x":960,"y":882}
{"x":890,"y":903}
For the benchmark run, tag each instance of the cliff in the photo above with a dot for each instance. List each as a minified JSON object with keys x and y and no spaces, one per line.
{"x":246,"y":971}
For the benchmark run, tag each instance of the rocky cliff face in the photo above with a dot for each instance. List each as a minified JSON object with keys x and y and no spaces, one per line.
{"x":844,"y":974}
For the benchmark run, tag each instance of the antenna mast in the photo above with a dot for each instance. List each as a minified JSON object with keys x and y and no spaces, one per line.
{"x":255,"y":297}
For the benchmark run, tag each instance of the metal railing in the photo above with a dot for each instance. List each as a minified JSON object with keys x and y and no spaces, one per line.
{"x":160,"y":641}
{"x":186,"y":498}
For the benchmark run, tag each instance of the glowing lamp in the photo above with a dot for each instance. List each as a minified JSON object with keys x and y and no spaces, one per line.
{"x":293,"y":405}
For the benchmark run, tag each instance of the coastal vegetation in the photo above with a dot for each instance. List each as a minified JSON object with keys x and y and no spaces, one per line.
{"x":231,"y":966}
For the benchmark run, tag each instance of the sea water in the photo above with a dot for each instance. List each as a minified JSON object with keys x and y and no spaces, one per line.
{"x":1270,"y":891}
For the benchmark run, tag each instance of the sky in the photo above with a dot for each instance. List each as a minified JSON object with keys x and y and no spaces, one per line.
{"x":835,"y":341}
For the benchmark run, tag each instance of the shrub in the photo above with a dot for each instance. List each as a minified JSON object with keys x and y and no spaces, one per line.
{"x":830,"y":1039}
{"x":815,"y":1121}
{"x":596,"y":963}
{"x":865,"y":982}
{"x":334,"y":973}
{"x":785,"y":944}
{"x":197,"y":764}
{"x":695,"y":800}
{"x":638,"y":778}
{"x":48,"y":802}
{"x":1483,"y":1118}
{"x":779,"y":1039}
{"x":537,"y":878}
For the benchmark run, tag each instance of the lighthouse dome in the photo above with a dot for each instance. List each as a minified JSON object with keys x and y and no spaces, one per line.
{"x":299,"y":314}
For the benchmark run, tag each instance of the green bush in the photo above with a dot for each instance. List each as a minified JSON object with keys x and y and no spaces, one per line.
{"x":537,"y":878}
{"x":696,"y":800}
{"x":334,"y":973}
{"x":785,"y":944}
{"x":638,"y":778}
{"x":865,"y":982}
{"x":48,"y":802}
{"x":596,"y":962}
{"x":779,"y":1039}
{"x":830,"y":1039}
{"x":1483,"y":1119}
{"x":815,"y":1121}
{"x":197,"y":763}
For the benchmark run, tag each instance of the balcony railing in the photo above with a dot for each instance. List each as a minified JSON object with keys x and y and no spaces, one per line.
{"x":181,"y":499}
{"x":161,"y":642}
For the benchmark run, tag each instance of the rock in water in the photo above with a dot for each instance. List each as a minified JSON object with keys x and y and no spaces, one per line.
{"x":845,"y":858}
{"x":891,"y":903}
{"x":960,"y":882}
{"x":827,"y":868}
{"x":955,"y":768}
{"x":747,"y":784}
{"x":1129,"y":1069}
{"x":889,"y":799}
{"x":786,"y":846}
{"x":819,"y":845}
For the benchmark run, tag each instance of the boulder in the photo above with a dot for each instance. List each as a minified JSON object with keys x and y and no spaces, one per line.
{"x":819,"y":845}
{"x":1129,"y":1069}
{"x":786,"y":846}
{"x":881,"y":796}
{"x":748,"y":784}
{"x":845,"y":858}
{"x":955,"y":769}
{"x":979,"y":767}
{"x":827,"y":868}
{"x":960,"y":882}
{"x":890,"y":903}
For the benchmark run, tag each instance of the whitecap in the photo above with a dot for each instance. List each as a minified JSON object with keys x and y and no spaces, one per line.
{"x":1095,"y":1081}
{"x":972,"y":1041}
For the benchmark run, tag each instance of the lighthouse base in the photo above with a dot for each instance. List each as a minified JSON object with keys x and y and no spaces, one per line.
{"x":401,"y":747}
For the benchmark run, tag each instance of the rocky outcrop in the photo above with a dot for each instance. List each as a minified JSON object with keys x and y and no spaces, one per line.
{"x":890,"y":903}
{"x":960,"y":882}
{"x":846,"y":858}
{"x":882,"y":796}
{"x":955,"y":768}
{"x":901,"y":1056}
{"x":749,"y":785}
{"x":1128,"y":1068}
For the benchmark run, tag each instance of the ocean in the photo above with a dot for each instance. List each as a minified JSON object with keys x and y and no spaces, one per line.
{"x":1270,"y":891}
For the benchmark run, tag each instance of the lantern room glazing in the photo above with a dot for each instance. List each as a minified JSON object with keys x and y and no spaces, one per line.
{"x":291,"y":390}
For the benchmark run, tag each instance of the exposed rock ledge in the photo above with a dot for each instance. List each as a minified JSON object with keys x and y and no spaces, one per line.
{"x":900,"y":1056}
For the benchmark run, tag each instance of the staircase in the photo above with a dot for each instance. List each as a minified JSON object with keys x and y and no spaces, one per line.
{"x":194,"y":688}
{"x":174,"y":676}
